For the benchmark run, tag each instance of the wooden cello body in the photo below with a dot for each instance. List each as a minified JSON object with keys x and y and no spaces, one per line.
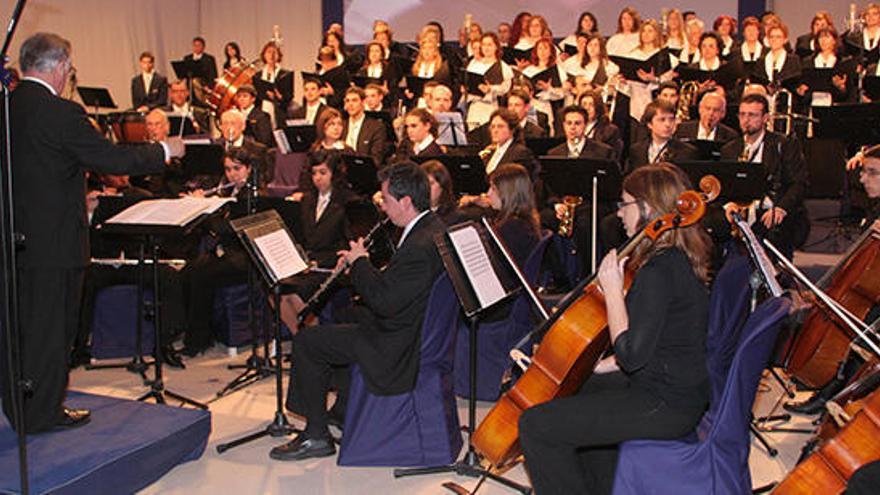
{"x":841,"y":450}
{"x":575,"y":338}
{"x":823,"y":341}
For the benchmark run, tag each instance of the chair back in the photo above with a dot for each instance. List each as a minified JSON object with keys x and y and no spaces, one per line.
{"x":438,"y":327}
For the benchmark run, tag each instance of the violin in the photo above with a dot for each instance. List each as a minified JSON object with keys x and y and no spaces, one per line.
{"x":575,"y":338}
{"x":824,"y":341}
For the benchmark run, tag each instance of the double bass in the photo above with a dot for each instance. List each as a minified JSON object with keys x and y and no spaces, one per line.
{"x":575,"y":338}
{"x":824,"y":341}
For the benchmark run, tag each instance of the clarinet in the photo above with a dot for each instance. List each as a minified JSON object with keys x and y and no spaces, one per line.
{"x":336,"y":273}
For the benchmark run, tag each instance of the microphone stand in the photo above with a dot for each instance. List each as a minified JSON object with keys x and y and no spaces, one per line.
{"x":11,"y":240}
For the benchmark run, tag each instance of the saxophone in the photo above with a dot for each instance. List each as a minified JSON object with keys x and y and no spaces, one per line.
{"x":566,"y":223}
{"x":487,"y":151}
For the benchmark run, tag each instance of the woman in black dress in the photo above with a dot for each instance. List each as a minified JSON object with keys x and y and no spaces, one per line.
{"x":655,"y":384}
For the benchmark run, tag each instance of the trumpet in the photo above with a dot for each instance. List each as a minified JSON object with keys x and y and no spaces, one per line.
{"x":566,"y":223}
{"x":609,"y":96}
{"x":487,"y":151}
{"x":785,"y":97}
{"x":687,"y":97}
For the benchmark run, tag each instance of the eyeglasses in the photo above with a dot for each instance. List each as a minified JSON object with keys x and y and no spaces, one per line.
{"x":623,"y":204}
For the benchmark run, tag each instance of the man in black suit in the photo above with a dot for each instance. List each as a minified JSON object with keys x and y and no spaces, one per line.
{"x":661,"y":146}
{"x":178,"y":103}
{"x":258,"y":125}
{"x":233,"y":126}
{"x":53,"y":144}
{"x":506,"y":139}
{"x":781,"y":214}
{"x":519,"y":102}
{"x":577,"y":145}
{"x":312,"y":106}
{"x":206,"y":71}
{"x":385,"y":336}
{"x":149,"y":89}
{"x":365,"y":136}
{"x":713,"y":108}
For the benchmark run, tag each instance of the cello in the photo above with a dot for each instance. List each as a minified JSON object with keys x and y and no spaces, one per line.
{"x":575,"y":338}
{"x":824,"y":341}
{"x":846,"y":440}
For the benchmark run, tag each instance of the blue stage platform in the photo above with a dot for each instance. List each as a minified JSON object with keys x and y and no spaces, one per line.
{"x":127,"y":446}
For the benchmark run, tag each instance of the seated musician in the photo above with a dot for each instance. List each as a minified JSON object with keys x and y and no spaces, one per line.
{"x":225,"y":262}
{"x":868,"y":163}
{"x":178,"y":103}
{"x":512,"y":199}
{"x":324,"y":229}
{"x":577,"y":144}
{"x":669,"y":92}
{"x":655,"y":384}
{"x":149,"y":89}
{"x":258,"y":125}
{"x":781,"y":214}
{"x":507,"y":143}
{"x":518,"y":102}
{"x":313,"y":104}
{"x":366,"y":136}
{"x":599,"y":126}
{"x":374,"y":96}
{"x":712,"y":109}
{"x":383,"y":334}
{"x":662,"y":146}
{"x":207,"y":65}
{"x":443,"y":201}
{"x":232,"y":127}
{"x":421,"y":135}
{"x":440,"y":100}
{"x":328,"y":132}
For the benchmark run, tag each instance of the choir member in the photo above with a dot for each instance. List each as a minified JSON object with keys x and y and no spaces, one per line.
{"x":207,"y":66}
{"x":843,"y":86}
{"x":592,"y":63}
{"x":274,"y":102}
{"x":519,"y":28}
{"x":233,"y":56}
{"x":149,"y":89}
{"x":676,"y":40}
{"x":808,"y":44}
{"x":866,"y":42}
{"x":430,"y":64}
{"x":627,"y":38}
{"x":586,"y":25}
{"x":751,"y":50}
{"x":549,"y":93}
{"x":725,"y":27}
{"x":344,"y":57}
{"x":334,"y":77}
{"x":377,"y":68}
{"x":537,"y":29}
{"x":778,"y":68}
{"x":497,"y":76}
{"x":693,"y":30}
{"x":640,"y":91}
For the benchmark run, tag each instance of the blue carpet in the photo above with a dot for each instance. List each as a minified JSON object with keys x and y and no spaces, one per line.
{"x":127,"y":446}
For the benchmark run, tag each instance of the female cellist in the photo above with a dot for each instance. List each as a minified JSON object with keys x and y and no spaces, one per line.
{"x":655,"y":385}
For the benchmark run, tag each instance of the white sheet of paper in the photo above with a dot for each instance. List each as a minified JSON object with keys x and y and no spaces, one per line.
{"x":280,"y":254}
{"x":281,"y":141}
{"x":477,"y":265}
{"x":168,"y":211}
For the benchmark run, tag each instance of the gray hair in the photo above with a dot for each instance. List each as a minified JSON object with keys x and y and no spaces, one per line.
{"x":43,"y":52}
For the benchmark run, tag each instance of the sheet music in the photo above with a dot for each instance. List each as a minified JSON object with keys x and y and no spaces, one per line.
{"x":281,"y":141}
{"x":470,"y":250}
{"x":177,"y":212}
{"x":280,"y":254}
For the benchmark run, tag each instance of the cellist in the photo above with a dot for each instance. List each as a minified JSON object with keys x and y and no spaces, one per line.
{"x":655,"y":384}
{"x":868,"y":164}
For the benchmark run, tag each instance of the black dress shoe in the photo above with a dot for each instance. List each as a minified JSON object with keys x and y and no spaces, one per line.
{"x":72,"y":418}
{"x":303,"y":448}
{"x":813,"y":405}
{"x":192,"y":351}
{"x":171,"y":357}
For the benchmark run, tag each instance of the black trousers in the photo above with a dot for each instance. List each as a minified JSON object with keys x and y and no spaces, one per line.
{"x":48,"y":315}
{"x":320,"y":355}
{"x":570,"y":444}
{"x":201,"y":279}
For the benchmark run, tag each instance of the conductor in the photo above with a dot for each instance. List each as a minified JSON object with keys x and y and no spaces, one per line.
{"x":53,"y":144}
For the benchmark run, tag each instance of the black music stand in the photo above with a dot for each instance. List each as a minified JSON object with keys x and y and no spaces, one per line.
{"x":150,"y":235}
{"x":564,"y":176}
{"x":361,"y":173}
{"x":276,"y":256}
{"x":298,"y":138}
{"x":740,"y":181}
{"x":181,"y":125}
{"x":540,"y":146}
{"x":467,"y":171}
{"x":476,"y":295}
{"x":188,"y":69}
{"x":95,"y":98}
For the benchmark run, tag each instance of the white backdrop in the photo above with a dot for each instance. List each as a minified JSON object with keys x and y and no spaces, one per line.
{"x":108,"y":35}
{"x":407,"y":16}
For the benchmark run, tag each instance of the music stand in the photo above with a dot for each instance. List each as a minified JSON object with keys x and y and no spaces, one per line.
{"x":181,"y":125}
{"x":276,"y":256}
{"x":478,"y":290}
{"x":741,"y":182}
{"x":188,"y":69}
{"x":296,"y":138}
{"x":452,"y":130}
{"x":151,"y":221}
{"x":361,"y":173}
{"x":573,"y":176}
{"x":467,"y":171}
{"x":202,"y":157}
{"x":542,"y":145}
{"x":95,"y":98}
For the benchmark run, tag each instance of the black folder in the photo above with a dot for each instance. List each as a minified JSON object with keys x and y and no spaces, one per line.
{"x":659,"y":63}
